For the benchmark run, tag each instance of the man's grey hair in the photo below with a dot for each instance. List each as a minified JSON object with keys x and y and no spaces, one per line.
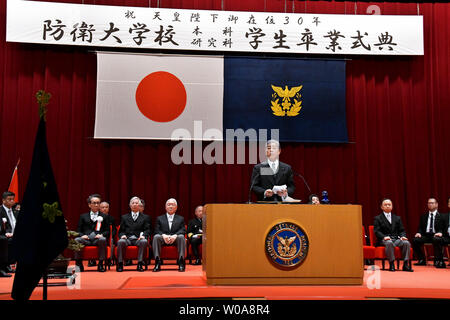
{"x":275,"y":142}
{"x":135,"y":198}
{"x":172,"y":200}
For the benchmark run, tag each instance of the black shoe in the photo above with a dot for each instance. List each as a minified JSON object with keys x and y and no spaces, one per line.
{"x":92,"y":263}
{"x":157,"y":265}
{"x":407,"y":266}
{"x":440,"y":265}
{"x":79,"y":264}
{"x":129,"y":263}
{"x":4,"y":274}
{"x":198,"y":262}
{"x":119,"y":267}
{"x":421,"y":262}
{"x":392,"y":266}
{"x":181,"y":265}
{"x":140,"y":267}
{"x":101,"y":267}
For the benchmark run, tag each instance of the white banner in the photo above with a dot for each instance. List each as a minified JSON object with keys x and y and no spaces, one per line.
{"x":207,"y":30}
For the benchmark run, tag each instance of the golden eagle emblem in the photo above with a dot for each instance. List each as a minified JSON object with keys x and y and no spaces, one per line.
{"x":284,"y":246}
{"x":286,"y":108}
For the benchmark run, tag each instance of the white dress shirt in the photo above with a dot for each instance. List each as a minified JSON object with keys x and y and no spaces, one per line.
{"x":170,"y":219}
{"x":94,"y":216}
{"x":134,"y":215}
{"x":11,"y":218}
{"x":429,"y":220}
{"x":273,"y":165}
{"x":388,"y":216}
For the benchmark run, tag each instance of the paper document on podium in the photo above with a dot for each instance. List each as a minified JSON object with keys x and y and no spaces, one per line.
{"x":291,"y":200}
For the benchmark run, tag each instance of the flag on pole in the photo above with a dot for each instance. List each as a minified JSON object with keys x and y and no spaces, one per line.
{"x":40,"y":234}
{"x":14,"y":184}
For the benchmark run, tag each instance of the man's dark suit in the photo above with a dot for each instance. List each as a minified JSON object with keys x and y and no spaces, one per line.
{"x":427,"y":237}
{"x":394,"y":230}
{"x":263,"y":178}
{"x":10,"y":250}
{"x":132,"y":230}
{"x":194,"y":228}
{"x":5,"y":228}
{"x":162,"y":227}
{"x":86,"y":227}
{"x":446,"y":235}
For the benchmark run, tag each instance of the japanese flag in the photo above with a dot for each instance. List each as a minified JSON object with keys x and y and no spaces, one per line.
{"x":143,"y":96}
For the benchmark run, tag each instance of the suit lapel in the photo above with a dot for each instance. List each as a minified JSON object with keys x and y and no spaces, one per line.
{"x":386,"y":221}
{"x":130,"y":219}
{"x":165,"y":221}
{"x":279,"y":173}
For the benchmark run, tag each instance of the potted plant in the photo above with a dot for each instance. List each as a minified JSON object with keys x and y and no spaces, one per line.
{"x":60,"y":264}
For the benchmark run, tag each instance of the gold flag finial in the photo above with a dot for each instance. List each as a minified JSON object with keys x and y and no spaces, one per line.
{"x":42,"y":98}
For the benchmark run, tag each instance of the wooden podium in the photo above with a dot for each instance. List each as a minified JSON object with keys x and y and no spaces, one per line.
{"x":234,"y":244}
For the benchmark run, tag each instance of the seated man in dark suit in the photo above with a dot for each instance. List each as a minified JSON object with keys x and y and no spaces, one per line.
{"x":5,"y":228}
{"x":390,"y":233}
{"x":446,"y":230}
{"x":7,"y":211}
{"x":111,"y":223}
{"x":93,"y":230}
{"x":135,"y":231}
{"x":169,"y":230}
{"x":271,"y":173}
{"x":194,"y":232}
{"x":431,"y":228}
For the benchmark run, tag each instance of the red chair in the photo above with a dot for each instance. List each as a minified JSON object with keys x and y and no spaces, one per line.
{"x":368,"y":251}
{"x":380,"y":252}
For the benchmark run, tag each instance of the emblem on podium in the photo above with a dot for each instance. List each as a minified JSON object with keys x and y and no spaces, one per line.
{"x":286,"y":244}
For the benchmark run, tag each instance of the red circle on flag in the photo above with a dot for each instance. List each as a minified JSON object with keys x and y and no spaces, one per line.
{"x":161,"y":96}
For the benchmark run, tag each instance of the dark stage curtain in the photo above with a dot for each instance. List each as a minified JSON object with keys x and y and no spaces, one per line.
{"x":398,"y":113}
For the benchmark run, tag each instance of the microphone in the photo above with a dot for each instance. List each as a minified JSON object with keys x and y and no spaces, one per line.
{"x":306,"y":184}
{"x":251,"y":186}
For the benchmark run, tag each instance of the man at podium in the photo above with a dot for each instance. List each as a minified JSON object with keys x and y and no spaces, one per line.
{"x":272,"y":180}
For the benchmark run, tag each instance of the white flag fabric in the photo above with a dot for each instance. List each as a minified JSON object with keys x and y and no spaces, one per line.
{"x":147,"y":96}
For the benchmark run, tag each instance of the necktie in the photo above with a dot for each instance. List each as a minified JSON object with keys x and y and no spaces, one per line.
{"x":274,"y":167}
{"x":431,"y":223}
{"x":12,"y":219}
{"x":134,"y":216}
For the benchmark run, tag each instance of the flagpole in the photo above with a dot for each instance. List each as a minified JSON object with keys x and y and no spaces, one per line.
{"x":44,"y":285}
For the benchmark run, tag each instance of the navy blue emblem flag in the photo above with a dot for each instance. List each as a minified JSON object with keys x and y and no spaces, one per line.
{"x":40,"y":234}
{"x":304,"y":99}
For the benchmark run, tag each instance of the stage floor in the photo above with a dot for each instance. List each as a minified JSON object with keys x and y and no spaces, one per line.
{"x":426,"y":282}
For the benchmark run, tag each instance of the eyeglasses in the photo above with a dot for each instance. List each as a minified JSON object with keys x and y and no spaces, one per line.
{"x":96,"y":202}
